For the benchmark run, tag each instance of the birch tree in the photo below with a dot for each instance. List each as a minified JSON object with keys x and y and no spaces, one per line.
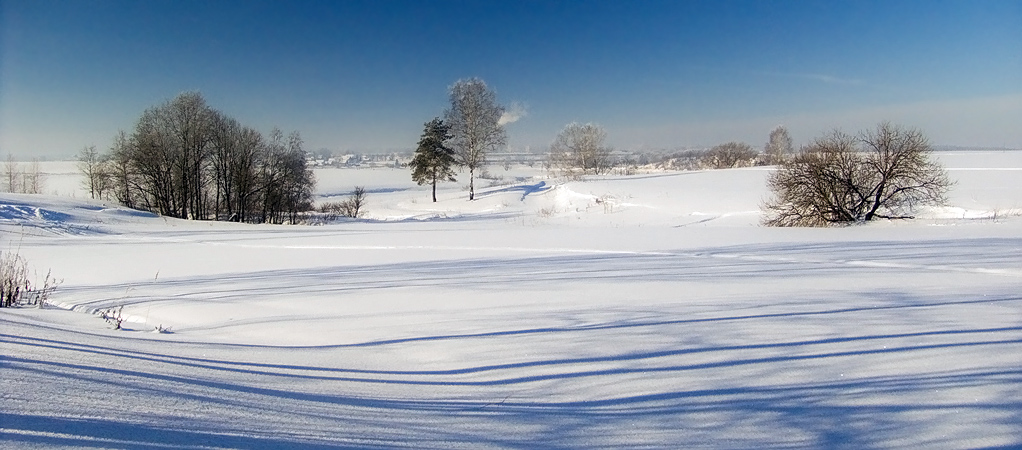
{"x":474,"y":118}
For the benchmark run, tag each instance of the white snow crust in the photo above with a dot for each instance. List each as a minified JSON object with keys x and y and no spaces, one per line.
{"x":644,"y":311}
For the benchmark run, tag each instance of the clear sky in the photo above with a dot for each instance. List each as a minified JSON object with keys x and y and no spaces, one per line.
{"x":366,"y":75}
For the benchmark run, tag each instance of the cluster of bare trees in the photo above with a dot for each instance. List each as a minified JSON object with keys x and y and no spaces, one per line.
{"x":729,"y":155}
{"x":185,"y":159}
{"x":22,"y":181}
{"x":838,"y":178}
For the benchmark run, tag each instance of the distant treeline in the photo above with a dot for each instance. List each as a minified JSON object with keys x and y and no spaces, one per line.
{"x":186,"y":160}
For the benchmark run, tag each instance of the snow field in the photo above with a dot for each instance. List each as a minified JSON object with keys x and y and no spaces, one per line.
{"x":625,"y":312}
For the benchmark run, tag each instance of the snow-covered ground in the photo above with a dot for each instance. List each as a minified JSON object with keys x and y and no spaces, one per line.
{"x":647,"y":311}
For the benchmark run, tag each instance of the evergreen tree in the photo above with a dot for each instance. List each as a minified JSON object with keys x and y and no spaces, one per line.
{"x":433,"y":159}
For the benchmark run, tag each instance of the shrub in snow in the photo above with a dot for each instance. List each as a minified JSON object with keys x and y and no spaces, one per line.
{"x":113,"y":317}
{"x":350,"y":207}
{"x":15,"y":287}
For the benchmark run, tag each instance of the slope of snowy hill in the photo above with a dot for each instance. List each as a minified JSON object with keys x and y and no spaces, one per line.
{"x":645,"y":311}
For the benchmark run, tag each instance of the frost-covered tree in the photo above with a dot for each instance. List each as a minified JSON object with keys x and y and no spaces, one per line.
{"x":581,"y":147}
{"x":778,"y":147}
{"x":882,"y":173}
{"x":434,"y":159}
{"x":474,"y":119}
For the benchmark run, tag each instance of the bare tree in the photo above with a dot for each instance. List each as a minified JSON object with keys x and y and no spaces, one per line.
{"x":33,"y":178}
{"x":904,"y":175}
{"x":729,"y":155}
{"x":123,"y":178}
{"x":581,"y":147}
{"x":12,"y":176}
{"x":778,"y":147}
{"x":433,"y":158}
{"x":93,"y":167}
{"x":883,"y":173}
{"x":474,"y":118}
{"x":286,"y":182}
{"x":352,"y":207}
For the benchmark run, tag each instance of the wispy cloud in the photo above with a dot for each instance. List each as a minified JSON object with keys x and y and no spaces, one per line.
{"x":517,"y":111}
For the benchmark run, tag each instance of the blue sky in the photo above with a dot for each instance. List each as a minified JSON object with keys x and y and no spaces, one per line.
{"x":365,"y":76}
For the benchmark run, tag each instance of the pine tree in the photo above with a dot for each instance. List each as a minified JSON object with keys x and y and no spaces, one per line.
{"x":433,"y":159}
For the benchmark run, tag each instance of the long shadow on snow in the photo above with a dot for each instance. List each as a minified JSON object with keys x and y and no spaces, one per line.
{"x":526,"y":190}
{"x":99,"y":433}
{"x":810,"y":408}
{"x":566,"y":362}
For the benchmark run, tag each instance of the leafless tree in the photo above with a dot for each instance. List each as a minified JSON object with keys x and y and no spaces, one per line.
{"x":778,"y":147}
{"x":474,"y":118}
{"x":95,"y":171}
{"x":729,"y":155}
{"x":581,"y":147}
{"x":286,"y":182}
{"x":12,"y":176}
{"x":883,"y":173}
{"x":123,"y":178}
{"x":352,"y":207}
{"x":237,"y":152}
{"x":33,"y":178}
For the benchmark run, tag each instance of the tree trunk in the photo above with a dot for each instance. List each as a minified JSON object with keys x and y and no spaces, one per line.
{"x":471,"y":184}
{"x":877,"y":201}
